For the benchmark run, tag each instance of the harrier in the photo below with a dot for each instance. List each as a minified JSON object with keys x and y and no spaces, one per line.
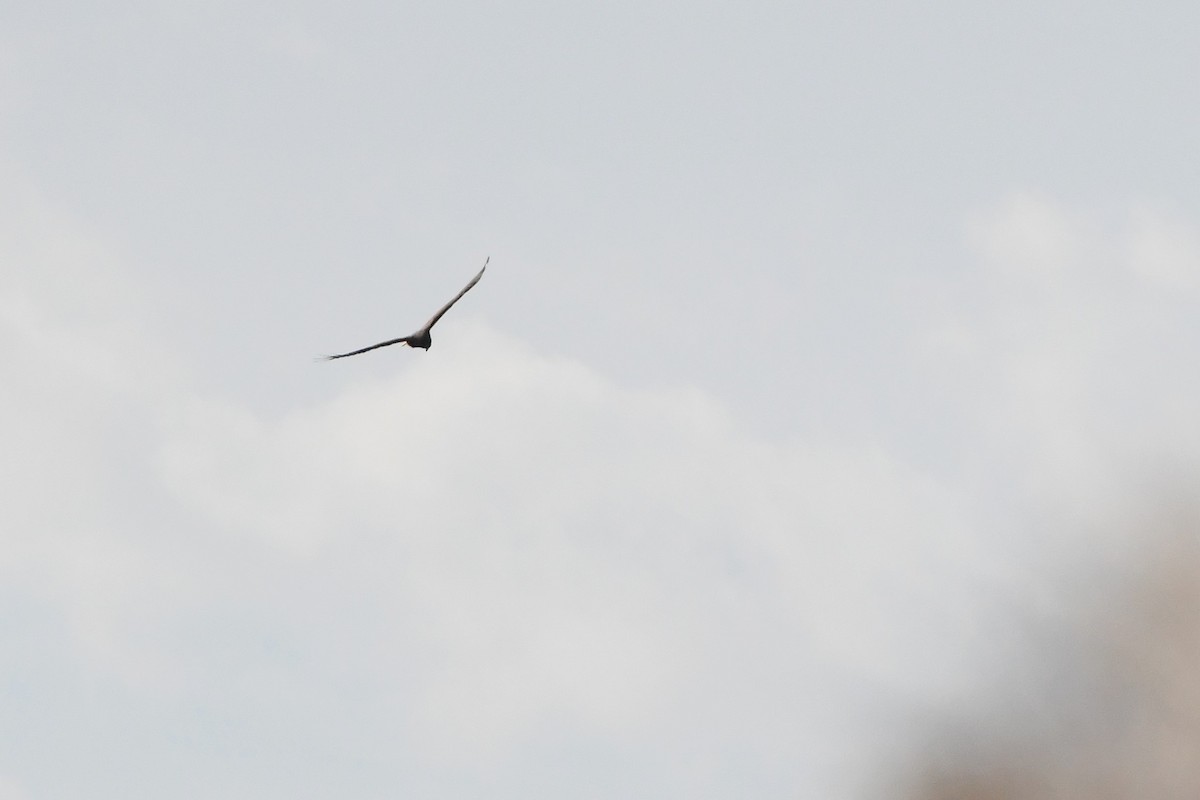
{"x":421,"y":338}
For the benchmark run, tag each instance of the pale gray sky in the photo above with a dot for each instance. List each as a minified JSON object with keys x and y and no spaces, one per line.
{"x":820,"y":346}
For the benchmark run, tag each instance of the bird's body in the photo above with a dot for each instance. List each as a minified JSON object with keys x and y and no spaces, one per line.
{"x":420,"y":338}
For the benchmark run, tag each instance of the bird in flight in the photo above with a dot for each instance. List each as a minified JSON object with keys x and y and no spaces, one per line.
{"x":421,"y":338}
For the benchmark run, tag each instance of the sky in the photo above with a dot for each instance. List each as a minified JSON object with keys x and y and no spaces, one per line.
{"x":830,"y":358}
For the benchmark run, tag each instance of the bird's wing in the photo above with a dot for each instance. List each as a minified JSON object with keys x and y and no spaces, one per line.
{"x":403,"y":339}
{"x":433,"y":320}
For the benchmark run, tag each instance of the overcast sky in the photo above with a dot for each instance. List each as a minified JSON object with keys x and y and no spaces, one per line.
{"x":820,"y":348}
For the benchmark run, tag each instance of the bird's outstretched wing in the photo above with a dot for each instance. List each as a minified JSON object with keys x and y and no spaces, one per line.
{"x":421,"y":337}
{"x":403,"y":339}
{"x":433,"y":320}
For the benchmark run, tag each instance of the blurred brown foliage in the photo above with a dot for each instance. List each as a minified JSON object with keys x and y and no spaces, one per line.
{"x":1133,"y":731}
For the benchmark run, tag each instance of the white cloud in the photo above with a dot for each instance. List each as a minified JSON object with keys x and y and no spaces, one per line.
{"x":1031,"y":237}
{"x":1164,"y":248}
{"x":567,"y":548}
{"x":10,"y":790}
{"x":498,"y":548}
{"x":1072,"y":347}
{"x":496,"y":553}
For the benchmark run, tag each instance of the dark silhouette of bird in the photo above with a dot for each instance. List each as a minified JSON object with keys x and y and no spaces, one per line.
{"x":421,"y":338}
